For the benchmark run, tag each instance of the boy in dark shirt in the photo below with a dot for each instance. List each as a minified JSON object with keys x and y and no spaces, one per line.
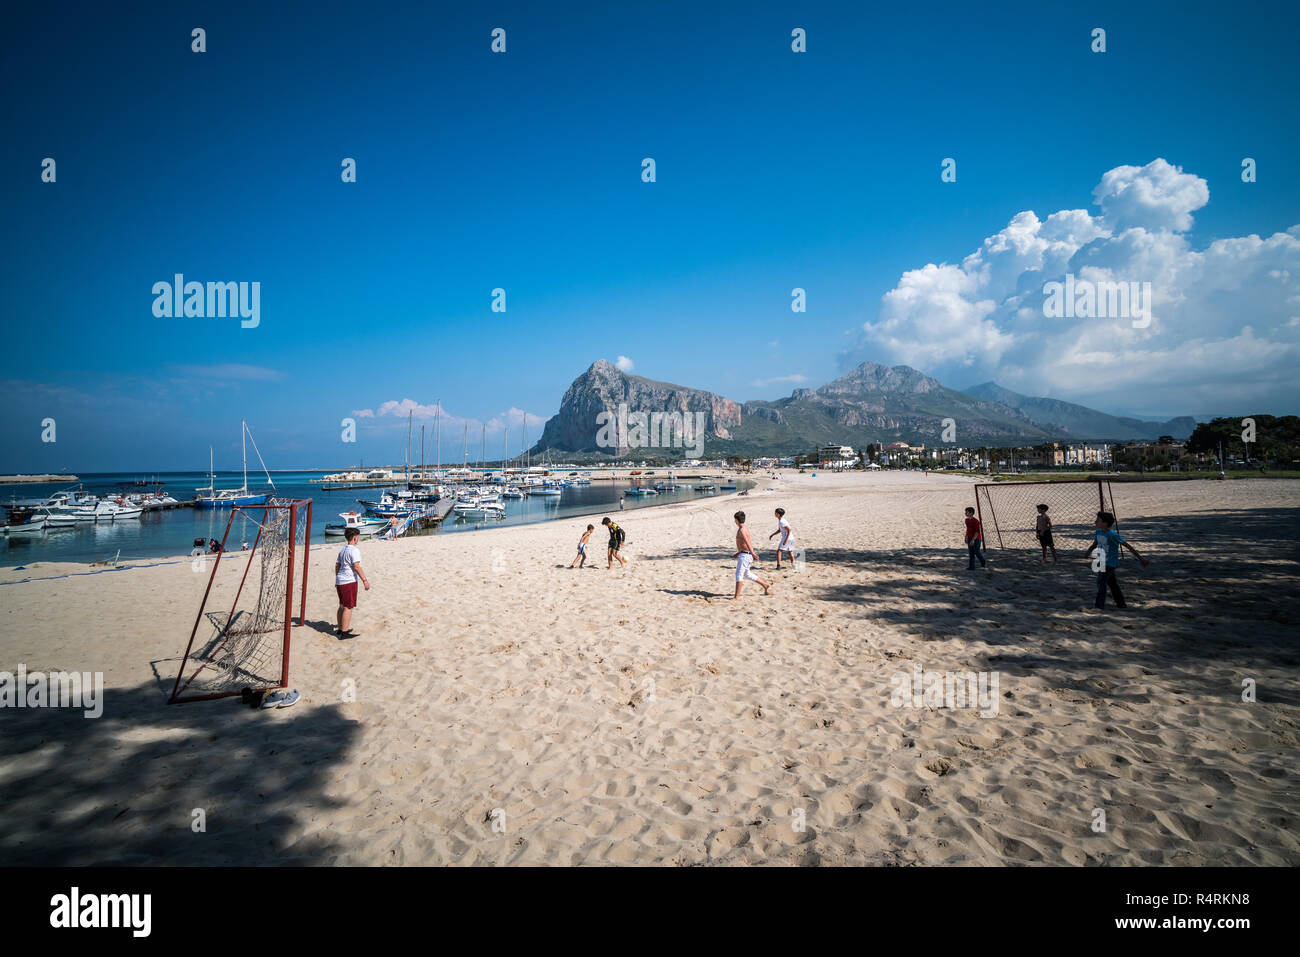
{"x":616,"y":538}
{"x":1043,"y":527}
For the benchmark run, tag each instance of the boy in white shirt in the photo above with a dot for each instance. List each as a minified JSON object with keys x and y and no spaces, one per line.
{"x":786,"y":544}
{"x":347,"y":569}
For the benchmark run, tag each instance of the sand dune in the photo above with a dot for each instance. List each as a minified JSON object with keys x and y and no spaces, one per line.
{"x":639,"y":716}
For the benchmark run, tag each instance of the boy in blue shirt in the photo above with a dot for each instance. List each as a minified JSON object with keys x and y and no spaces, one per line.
{"x":1109,"y":541}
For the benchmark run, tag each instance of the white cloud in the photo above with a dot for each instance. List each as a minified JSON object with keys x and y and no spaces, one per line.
{"x":624,"y":363}
{"x":513,"y":418}
{"x":1221,"y":336}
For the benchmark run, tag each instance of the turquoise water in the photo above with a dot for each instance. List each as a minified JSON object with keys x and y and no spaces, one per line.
{"x":172,"y":532}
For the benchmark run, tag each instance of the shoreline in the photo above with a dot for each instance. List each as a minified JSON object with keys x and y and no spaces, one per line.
{"x":91,"y":568}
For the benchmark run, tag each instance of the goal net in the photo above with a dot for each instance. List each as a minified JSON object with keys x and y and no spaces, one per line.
{"x":240,"y":637}
{"x":1008,"y":511}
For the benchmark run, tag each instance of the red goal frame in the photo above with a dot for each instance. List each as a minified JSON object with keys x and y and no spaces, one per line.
{"x":294,"y":506}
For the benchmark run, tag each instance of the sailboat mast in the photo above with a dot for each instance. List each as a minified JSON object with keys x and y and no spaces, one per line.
{"x":437,"y":427}
{"x":243,"y":442}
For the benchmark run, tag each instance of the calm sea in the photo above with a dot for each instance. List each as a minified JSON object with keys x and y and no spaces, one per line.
{"x":172,"y":532}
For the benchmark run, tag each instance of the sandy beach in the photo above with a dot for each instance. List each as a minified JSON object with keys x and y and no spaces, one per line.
{"x":500,"y":708}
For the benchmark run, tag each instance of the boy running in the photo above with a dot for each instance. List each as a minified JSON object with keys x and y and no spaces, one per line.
{"x":786,"y":544}
{"x":745,"y":557}
{"x":1044,"y":529}
{"x":974,"y":539}
{"x":1109,"y":541}
{"x":580,"y":559}
{"x":616,"y":538}
{"x":347,"y":569}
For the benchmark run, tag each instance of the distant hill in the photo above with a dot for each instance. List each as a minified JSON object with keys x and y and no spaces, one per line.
{"x":872,"y":403}
{"x":1080,"y":422}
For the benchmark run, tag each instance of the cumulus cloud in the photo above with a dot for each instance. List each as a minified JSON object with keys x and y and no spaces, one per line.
{"x":1223,"y":333}
{"x":399,"y":409}
{"x":624,"y":363}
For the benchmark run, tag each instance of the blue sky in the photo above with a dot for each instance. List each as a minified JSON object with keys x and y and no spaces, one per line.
{"x":522,"y":171}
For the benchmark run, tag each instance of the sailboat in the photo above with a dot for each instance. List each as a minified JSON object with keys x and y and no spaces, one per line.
{"x":212,"y":497}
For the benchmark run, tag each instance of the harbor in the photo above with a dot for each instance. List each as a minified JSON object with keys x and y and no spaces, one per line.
{"x":113,"y":516}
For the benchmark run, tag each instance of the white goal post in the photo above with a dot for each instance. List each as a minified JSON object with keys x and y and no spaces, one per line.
{"x":1008,"y":511}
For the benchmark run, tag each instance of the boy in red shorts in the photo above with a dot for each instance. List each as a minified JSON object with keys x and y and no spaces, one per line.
{"x":347,"y":569}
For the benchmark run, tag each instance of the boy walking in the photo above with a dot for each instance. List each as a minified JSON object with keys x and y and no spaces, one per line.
{"x":1044,"y":530}
{"x":745,"y":557}
{"x":347,"y":569}
{"x":616,"y":538}
{"x":786,"y":544}
{"x":581,"y":558}
{"x":974,"y":539}
{"x":1109,"y":541}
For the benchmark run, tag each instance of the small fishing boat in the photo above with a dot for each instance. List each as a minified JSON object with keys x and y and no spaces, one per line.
{"x":637,"y":492}
{"x":705,"y":488}
{"x":363,"y":524}
{"x":727,"y":488}
{"x":550,"y":491}
{"x":24,"y":522}
{"x":29,"y":527}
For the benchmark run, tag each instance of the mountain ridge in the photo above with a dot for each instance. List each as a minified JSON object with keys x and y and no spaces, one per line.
{"x":869,"y":403}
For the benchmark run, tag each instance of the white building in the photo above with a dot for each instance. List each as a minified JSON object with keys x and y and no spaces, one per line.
{"x":837,"y":457}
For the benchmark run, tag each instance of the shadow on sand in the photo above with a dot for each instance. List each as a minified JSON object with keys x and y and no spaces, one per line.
{"x":1221,"y":592}
{"x":123,"y":788}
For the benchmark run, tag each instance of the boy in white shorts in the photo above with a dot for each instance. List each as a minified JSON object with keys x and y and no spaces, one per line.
{"x":786,"y":544}
{"x":745,"y":557}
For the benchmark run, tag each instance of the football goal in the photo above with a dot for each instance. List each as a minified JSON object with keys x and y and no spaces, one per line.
{"x":240,"y":638}
{"x":1008,"y":511}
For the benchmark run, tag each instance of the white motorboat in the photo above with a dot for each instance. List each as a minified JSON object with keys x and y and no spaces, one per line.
{"x":364,"y":524}
{"x":108,"y":512}
{"x":477,"y":509}
{"x":69,"y":501}
{"x":511,"y":492}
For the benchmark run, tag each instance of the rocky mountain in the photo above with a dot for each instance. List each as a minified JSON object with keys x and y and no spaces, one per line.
{"x":1079,"y":421}
{"x":604,"y":387}
{"x":872,"y":403}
